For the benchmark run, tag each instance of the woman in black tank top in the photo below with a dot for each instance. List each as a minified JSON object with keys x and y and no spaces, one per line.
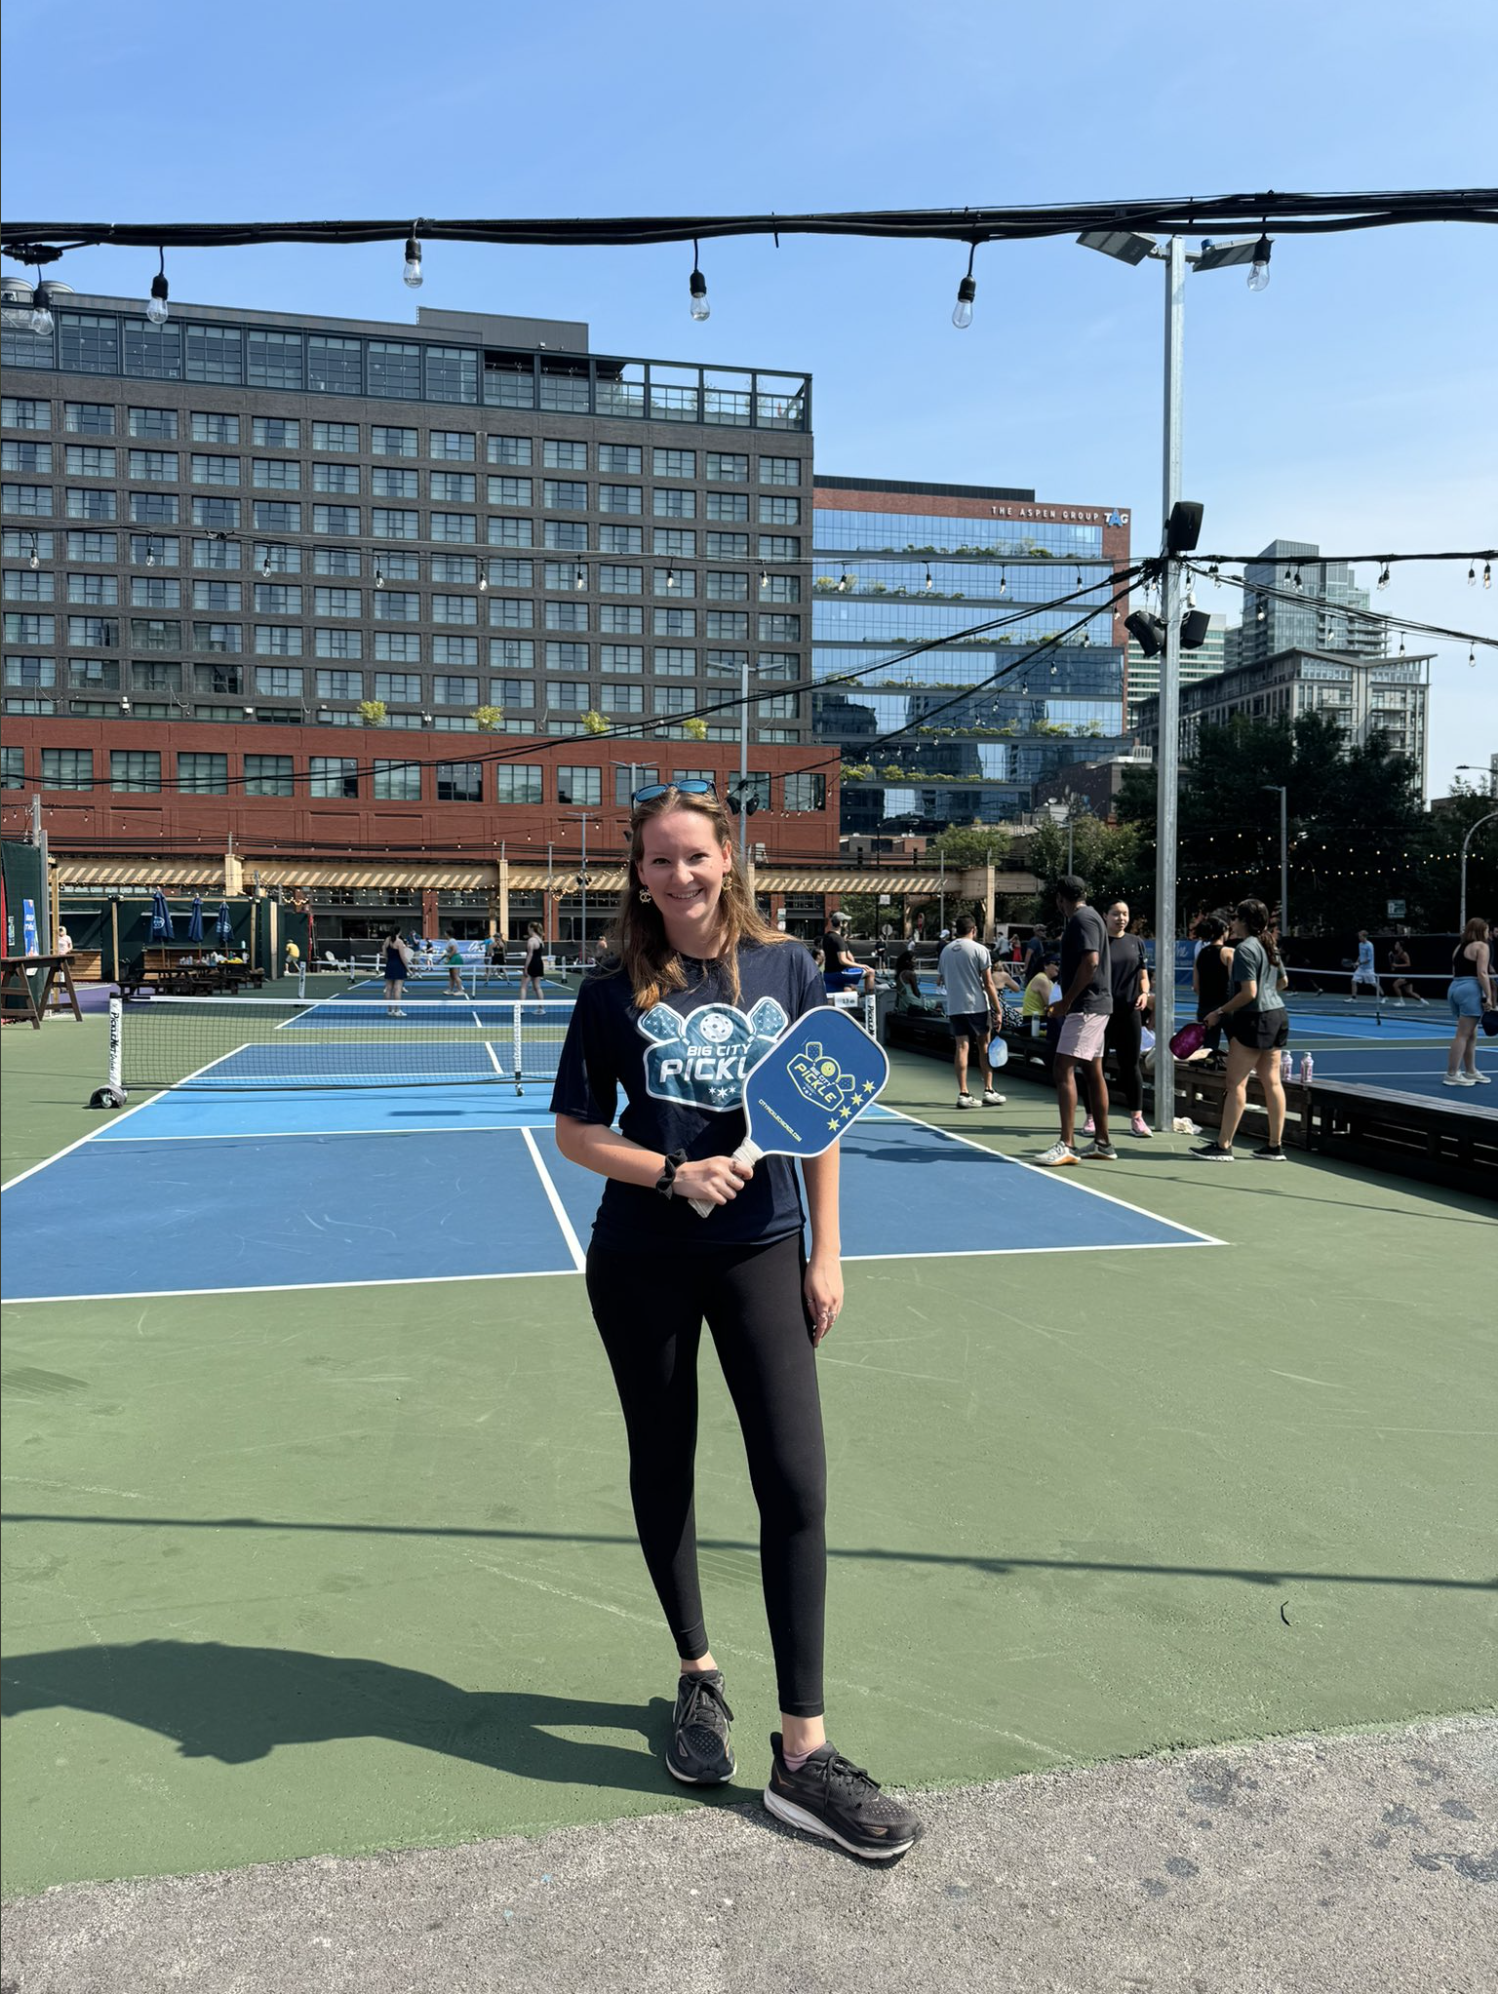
{"x":1209,"y":976}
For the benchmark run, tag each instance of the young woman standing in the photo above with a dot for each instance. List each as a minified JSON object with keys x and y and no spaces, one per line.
{"x":535,"y":962}
{"x":1470,"y":994}
{"x":702,"y":988}
{"x":397,"y":967}
{"x":1209,"y":977}
{"x":1258,"y":1026}
{"x":1128,"y":968}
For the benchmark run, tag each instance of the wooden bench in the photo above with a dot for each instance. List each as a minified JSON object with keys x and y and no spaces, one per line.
{"x":1200,"y":1090}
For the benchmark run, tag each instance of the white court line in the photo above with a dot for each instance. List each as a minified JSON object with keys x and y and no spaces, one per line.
{"x":294,"y":1287}
{"x":291,"y":1135}
{"x":1206,"y":1238}
{"x":553,"y":1196}
{"x":999,"y":1252}
{"x":114,"y":1121}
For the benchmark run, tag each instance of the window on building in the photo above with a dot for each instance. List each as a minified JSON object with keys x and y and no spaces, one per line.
{"x":511,"y":532}
{"x":340,"y":685}
{"x":779,"y":706}
{"x":397,"y":606}
{"x":780,"y":629}
{"x":271,"y":598}
{"x":398,"y":685}
{"x":674,"y":661}
{"x":165,"y":509}
{"x":90,"y":633}
{"x":85,"y":545}
{"x":13,"y":766}
{"x":675,"y":540}
{"x":153,"y":424}
{"x":780,"y":470}
{"x":456,"y":651}
{"x":397,"y":647}
{"x":279,"y":681}
{"x":778,"y":665}
{"x":579,"y":784}
{"x":342,"y":478}
{"x":622,"y":660}
{"x":205,"y":553}
{"x":30,"y":627}
{"x":566,"y":615}
{"x":728,"y":505}
{"x":69,"y":768}
{"x":215,"y":353}
{"x":30,"y":673}
{"x":515,"y":654}
{"x":387,"y":440}
{"x":274,"y":432}
{"x":775,"y":510}
{"x":94,"y":674}
{"x":397,"y":782}
{"x":621,"y":539}
{"x":621,"y":498}
{"x":565,"y":657}
{"x":217,"y":637}
{"x":345,"y":561}
{"x":676,"y":623}
{"x":571,"y":495}
{"x":567,"y":695}
{"x":220,"y":515}
{"x":394,"y":481}
{"x":334,"y":365}
{"x":723,"y":664}
{"x":460,"y":782}
{"x":203,"y":775}
{"x":343,"y":436}
{"x":36,"y":458}
{"x":278,"y":640}
{"x":25,"y":412}
{"x":667,"y":502}
{"x":150,"y":675}
{"x":338,"y":643}
{"x":343,"y":519}
{"x":618,"y":699}
{"x":513,"y":693}
{"x":165,"y":592}
{"x":455,"y":609}
{"x":268,"y":775}
{"x":151,"y":466}
{"x":727,"y":585}
{"x":337,"y":602}
{"x":101,"y":591}
{"x":518,"y":782}
{"x":88,"y":418}
{"x":728,"y":623}
{"x":35,"y":501}
{"x":394,"y":370}
{"x":454,"y":446}
{"x":216,"y":597}
{"x":134,"y":770}
{"x":452,"y":487}
{"x":781,"y":588}
{"x":624,"y":459}
{"x":459,"y":527}
{"x":779,"y":547}
{"x":392,"y":523}
{"x":333,"y":775}
{"x":219,"y":680}
{"x":454,"y":689}
{"x":509,"y":450}
{"x":674,"y":699}
{"x":727,"y":467}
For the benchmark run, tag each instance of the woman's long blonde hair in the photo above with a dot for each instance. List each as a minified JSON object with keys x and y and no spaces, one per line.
{"x":653,"y":966}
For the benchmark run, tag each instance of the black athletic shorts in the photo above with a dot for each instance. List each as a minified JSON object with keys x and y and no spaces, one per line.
{"x":1259,"y":1031}
{"x":975,"y":1025}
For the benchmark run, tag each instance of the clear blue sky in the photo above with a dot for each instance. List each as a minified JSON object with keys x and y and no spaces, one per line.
{"x":1351,"y":404}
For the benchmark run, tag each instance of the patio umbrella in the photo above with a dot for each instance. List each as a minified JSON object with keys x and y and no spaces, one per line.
{"x":225,"y":923}
{"x":161,"y":918}
{"x":195,"y":920}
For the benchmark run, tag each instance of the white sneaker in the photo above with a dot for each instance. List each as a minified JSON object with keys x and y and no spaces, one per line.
{"x":966,"y":1101}
{"x":1480,"y":1079}
{"x":992,"y":1100}
{"x":1398,"y":1004}
{"x":1458,"y":1080}
{"x":1057,"y":1155}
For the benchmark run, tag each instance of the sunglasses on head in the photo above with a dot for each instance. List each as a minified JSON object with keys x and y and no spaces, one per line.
{"x":694,"y":786}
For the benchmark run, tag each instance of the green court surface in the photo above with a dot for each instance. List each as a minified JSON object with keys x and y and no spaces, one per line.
{"x":339,"y":1570}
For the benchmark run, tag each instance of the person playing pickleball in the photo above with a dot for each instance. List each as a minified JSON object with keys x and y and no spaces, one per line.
{"x":701,"y":988}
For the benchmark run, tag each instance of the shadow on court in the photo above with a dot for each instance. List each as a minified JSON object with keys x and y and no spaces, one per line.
{"x":996,"y":1565}
{"x":237,"y":1705}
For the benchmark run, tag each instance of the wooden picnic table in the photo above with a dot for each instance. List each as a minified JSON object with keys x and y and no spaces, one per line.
{"x":56,"y":993}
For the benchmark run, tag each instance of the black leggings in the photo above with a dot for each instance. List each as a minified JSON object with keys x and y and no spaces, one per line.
{"x":651,"y":1321}
{"x":1122,"y":1038}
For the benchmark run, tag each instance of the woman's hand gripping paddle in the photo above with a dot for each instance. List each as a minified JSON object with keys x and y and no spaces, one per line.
{"x":813,"y":1083}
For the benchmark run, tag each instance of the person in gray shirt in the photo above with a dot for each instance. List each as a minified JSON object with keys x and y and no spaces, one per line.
{"x":972,"y":1006}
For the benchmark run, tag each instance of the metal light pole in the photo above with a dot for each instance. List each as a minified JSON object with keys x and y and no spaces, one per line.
{"x":1284,"y":858}
{"x":582,"y":879}
{"x":744,"y":762}
{"x":1127,"y":247}
{"x":1474,"y":829}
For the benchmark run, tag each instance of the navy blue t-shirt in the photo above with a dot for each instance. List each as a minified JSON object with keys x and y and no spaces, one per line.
{"x":682,"y":1066}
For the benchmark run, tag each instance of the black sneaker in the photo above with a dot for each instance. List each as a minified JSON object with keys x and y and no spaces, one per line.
{"x":1270,"y":1152}
{"x":1212,"y":1152}
{"x":837,"y":1800}
{"x":699,"y":1753}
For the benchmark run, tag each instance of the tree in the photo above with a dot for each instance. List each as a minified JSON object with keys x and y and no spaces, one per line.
{"x":965,"y":845}
{"x":594,"y":722}
{"x":487,"y":718}
{"x":372,"y":712}
{"x":695,"y":728}
{"x":1108,"y":856}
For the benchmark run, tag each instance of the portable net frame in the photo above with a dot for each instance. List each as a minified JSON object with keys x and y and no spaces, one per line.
{"x":250,"y":1045}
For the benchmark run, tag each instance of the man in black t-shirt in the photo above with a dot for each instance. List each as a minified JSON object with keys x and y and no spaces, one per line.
{"x":1086,"y":1006}
{"x":840,"y":970}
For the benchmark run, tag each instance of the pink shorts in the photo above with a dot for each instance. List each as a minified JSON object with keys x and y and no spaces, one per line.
{"x":1081,"y":1036}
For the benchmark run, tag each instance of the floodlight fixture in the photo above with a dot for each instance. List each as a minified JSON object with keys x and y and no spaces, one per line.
{"x":1120,"y":243}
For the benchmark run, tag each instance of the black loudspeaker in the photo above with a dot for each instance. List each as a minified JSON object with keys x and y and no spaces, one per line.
{"x":1194,"y":627}
{"x":1147,"y":631}
{"x":1183,"y":528}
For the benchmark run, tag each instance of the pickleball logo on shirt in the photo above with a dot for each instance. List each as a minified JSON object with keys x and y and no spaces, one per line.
{"x":701,"y":1060}
{"x":820,"y":1079}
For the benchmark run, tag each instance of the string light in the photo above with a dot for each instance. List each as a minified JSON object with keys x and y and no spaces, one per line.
{"x":764,"y":579}
{"x":580,"y":579}
{"x":1487,"y":574}
{"x":697,"y":287}
{"x":1384,"y":576}
{"x":36,"y":553}
{"x":41,"y":308}
{"x":1258,"y":271}
{"x":157,"y":310}
{"x":844,"y":582}
{"x":411,"y":274}
{"x":379,"y":578}
{"x":150,"y":551}
{"x":670,"y":578}
{"x":1003,"y":582}
{"x":483,"y":576}
{"x":930,"y":584}
{"x":967,"y":290}
{"x":1472,"y":576}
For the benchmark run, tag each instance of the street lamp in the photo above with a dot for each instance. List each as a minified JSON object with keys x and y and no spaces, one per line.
{"x":1492,"y":814}
{"x":1125,"y":246}
{"x":1284,"y":859}
{"x":582,"y":882}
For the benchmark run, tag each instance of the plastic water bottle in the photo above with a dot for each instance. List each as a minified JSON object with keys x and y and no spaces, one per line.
{"x":1307,"y":1069}
{"x":1287,"y":1065}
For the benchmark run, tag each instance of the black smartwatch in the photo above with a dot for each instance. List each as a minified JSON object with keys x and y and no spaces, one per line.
{"x":666,"y":1182}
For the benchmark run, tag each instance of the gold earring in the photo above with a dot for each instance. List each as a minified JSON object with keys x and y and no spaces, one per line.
{"x":645,"y":899}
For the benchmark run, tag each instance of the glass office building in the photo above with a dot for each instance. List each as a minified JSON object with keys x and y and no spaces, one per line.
{"x":937,"y":620}
{"x":1295,"y":601}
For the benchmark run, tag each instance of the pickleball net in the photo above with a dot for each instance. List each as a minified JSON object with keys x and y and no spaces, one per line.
{"x":224,"y":1044}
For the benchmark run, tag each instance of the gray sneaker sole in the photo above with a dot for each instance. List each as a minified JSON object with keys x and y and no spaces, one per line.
{"x":701,"y":1778}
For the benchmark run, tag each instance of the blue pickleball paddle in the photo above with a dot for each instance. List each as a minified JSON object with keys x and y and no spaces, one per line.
{"x":813,"y":1083}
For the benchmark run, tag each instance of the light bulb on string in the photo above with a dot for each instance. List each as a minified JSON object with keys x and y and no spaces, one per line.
{"x":967,"y":290}
{"x":411,"y":274}
{"x":157,"y":310}
{"x":1258,"y":270}
{"x":1216,"y":573}
{"x":844,"y":582}
{"x":764,"y":579}
{"x":150,"y":553}
{"x":41,"y":308}
{"x":265,"y":567}
{"x":580,"y":579}
{"x":483,"y":576}
{"x":930,"y":584}
{"x":1384,"y":576}
{"x":1472,"y":655}
{"x":697,"y":288}
{"x":1472,"y":576}
{"x":36,"y":555}
{"x":1487,"y":574}
{"x":670,"y":578}
{"x":1003,"y":582}
{"x":379,"y":576}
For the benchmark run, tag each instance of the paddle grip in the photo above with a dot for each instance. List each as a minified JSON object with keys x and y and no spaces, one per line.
{"x":747,"y":1152}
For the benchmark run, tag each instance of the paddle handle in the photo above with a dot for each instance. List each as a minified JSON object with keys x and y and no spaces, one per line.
{"x":748,"y":1151}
